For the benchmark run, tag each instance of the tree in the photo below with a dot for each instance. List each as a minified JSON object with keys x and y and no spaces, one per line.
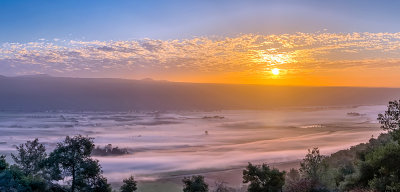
{"x":71,"y":158}
{"x":311,"y":165}
{"x":3,"y":163}
{"x":384,"y":168}
{"x":13,"y":178}
{"x":194,"y":184}
{"x":129,"y":185}
{"x":263,"y":179}
{"x":30,"y":157}
{"x":390,"y":119}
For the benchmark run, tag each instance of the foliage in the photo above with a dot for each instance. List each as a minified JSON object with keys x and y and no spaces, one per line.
{"x":23,"y":175}
{"x":35,"y":171}
{"x":195,"y":183}
{"x":301,"y":185}
{"x":385,"y":167}
{"x":371,"y":166}
{"x":30,"y":157}
{"x":72,"y":159}
{"x":390,"y":119}
{"x":263,"y":179}
{"x":291,"y":180}
{"x":129,"y":185}
{"x":311,"y":166}
{"x":293,"y":175}
{"x":14,"y":179}
{"x":3,"y":163}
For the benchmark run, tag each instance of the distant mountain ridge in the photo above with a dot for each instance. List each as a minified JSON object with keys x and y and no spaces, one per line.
{"x":44,"y":92}
{"x":34,"y":76}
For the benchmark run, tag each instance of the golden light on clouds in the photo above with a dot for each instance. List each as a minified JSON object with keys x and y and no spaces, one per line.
{"x":276,"y":59}
{"x":302,"y":59}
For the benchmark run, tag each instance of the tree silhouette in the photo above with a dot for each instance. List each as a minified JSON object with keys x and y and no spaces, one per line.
{"x":390,"y":119}
{"x":30,"y":157}
{"x":195,"y":184}
{"x":311,"y":166}
{"x":129,"y":185}
{"x":3,"y":163}
{"x":263,"y":179}
{"x":72,"y":159}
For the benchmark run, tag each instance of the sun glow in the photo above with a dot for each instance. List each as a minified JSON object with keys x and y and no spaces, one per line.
{"x":275,"y":71}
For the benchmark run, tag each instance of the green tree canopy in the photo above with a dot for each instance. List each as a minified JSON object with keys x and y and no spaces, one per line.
{"x":3,"y":163}
{"x":71,"y":158}
{"x":129,"y":185}
{"x":13,"y":178}
{"x":382,"y":165}
{"x":30,"y":157}
{"x":263,"y":179}
{"x":311,"y":165}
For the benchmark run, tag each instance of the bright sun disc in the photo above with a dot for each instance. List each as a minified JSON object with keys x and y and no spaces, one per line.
{"x":275,"y":71}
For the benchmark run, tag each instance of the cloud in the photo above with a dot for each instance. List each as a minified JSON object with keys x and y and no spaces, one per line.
{"x":249,"y":54}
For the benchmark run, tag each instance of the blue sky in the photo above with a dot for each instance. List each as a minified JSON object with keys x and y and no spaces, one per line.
{"x":279,"y":42}
{"x":26,"y":21}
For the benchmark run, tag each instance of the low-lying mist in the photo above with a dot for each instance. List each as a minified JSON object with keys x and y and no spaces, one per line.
{"x":164,"y":144}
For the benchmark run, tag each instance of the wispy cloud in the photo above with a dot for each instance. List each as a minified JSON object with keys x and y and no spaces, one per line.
{"x":248,"y":54}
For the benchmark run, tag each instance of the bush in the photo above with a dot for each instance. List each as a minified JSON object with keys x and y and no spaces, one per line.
{"x":129,"y":185}
{"x":262,"y":178}
{"x":194,"y":184}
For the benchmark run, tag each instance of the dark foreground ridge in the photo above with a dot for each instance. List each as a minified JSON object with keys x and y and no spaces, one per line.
{"x":39,"y":93}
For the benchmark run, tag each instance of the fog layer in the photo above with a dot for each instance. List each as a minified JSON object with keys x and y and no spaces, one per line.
{"x":162,"y":144}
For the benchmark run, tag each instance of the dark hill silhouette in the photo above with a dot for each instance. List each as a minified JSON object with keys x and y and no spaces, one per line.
{"x":58,"y":93}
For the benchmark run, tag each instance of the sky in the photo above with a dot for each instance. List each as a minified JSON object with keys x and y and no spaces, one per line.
{"x":302,"y":42}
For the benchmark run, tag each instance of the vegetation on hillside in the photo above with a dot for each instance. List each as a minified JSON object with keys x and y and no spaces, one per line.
{"x":367,"y":167}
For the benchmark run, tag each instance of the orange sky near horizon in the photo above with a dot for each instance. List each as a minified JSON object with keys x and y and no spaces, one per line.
{"x":303,"y":59}
{"x":341,"y":78}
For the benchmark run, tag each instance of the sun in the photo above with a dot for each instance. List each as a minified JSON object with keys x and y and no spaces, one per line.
{"x":275,"y":71}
